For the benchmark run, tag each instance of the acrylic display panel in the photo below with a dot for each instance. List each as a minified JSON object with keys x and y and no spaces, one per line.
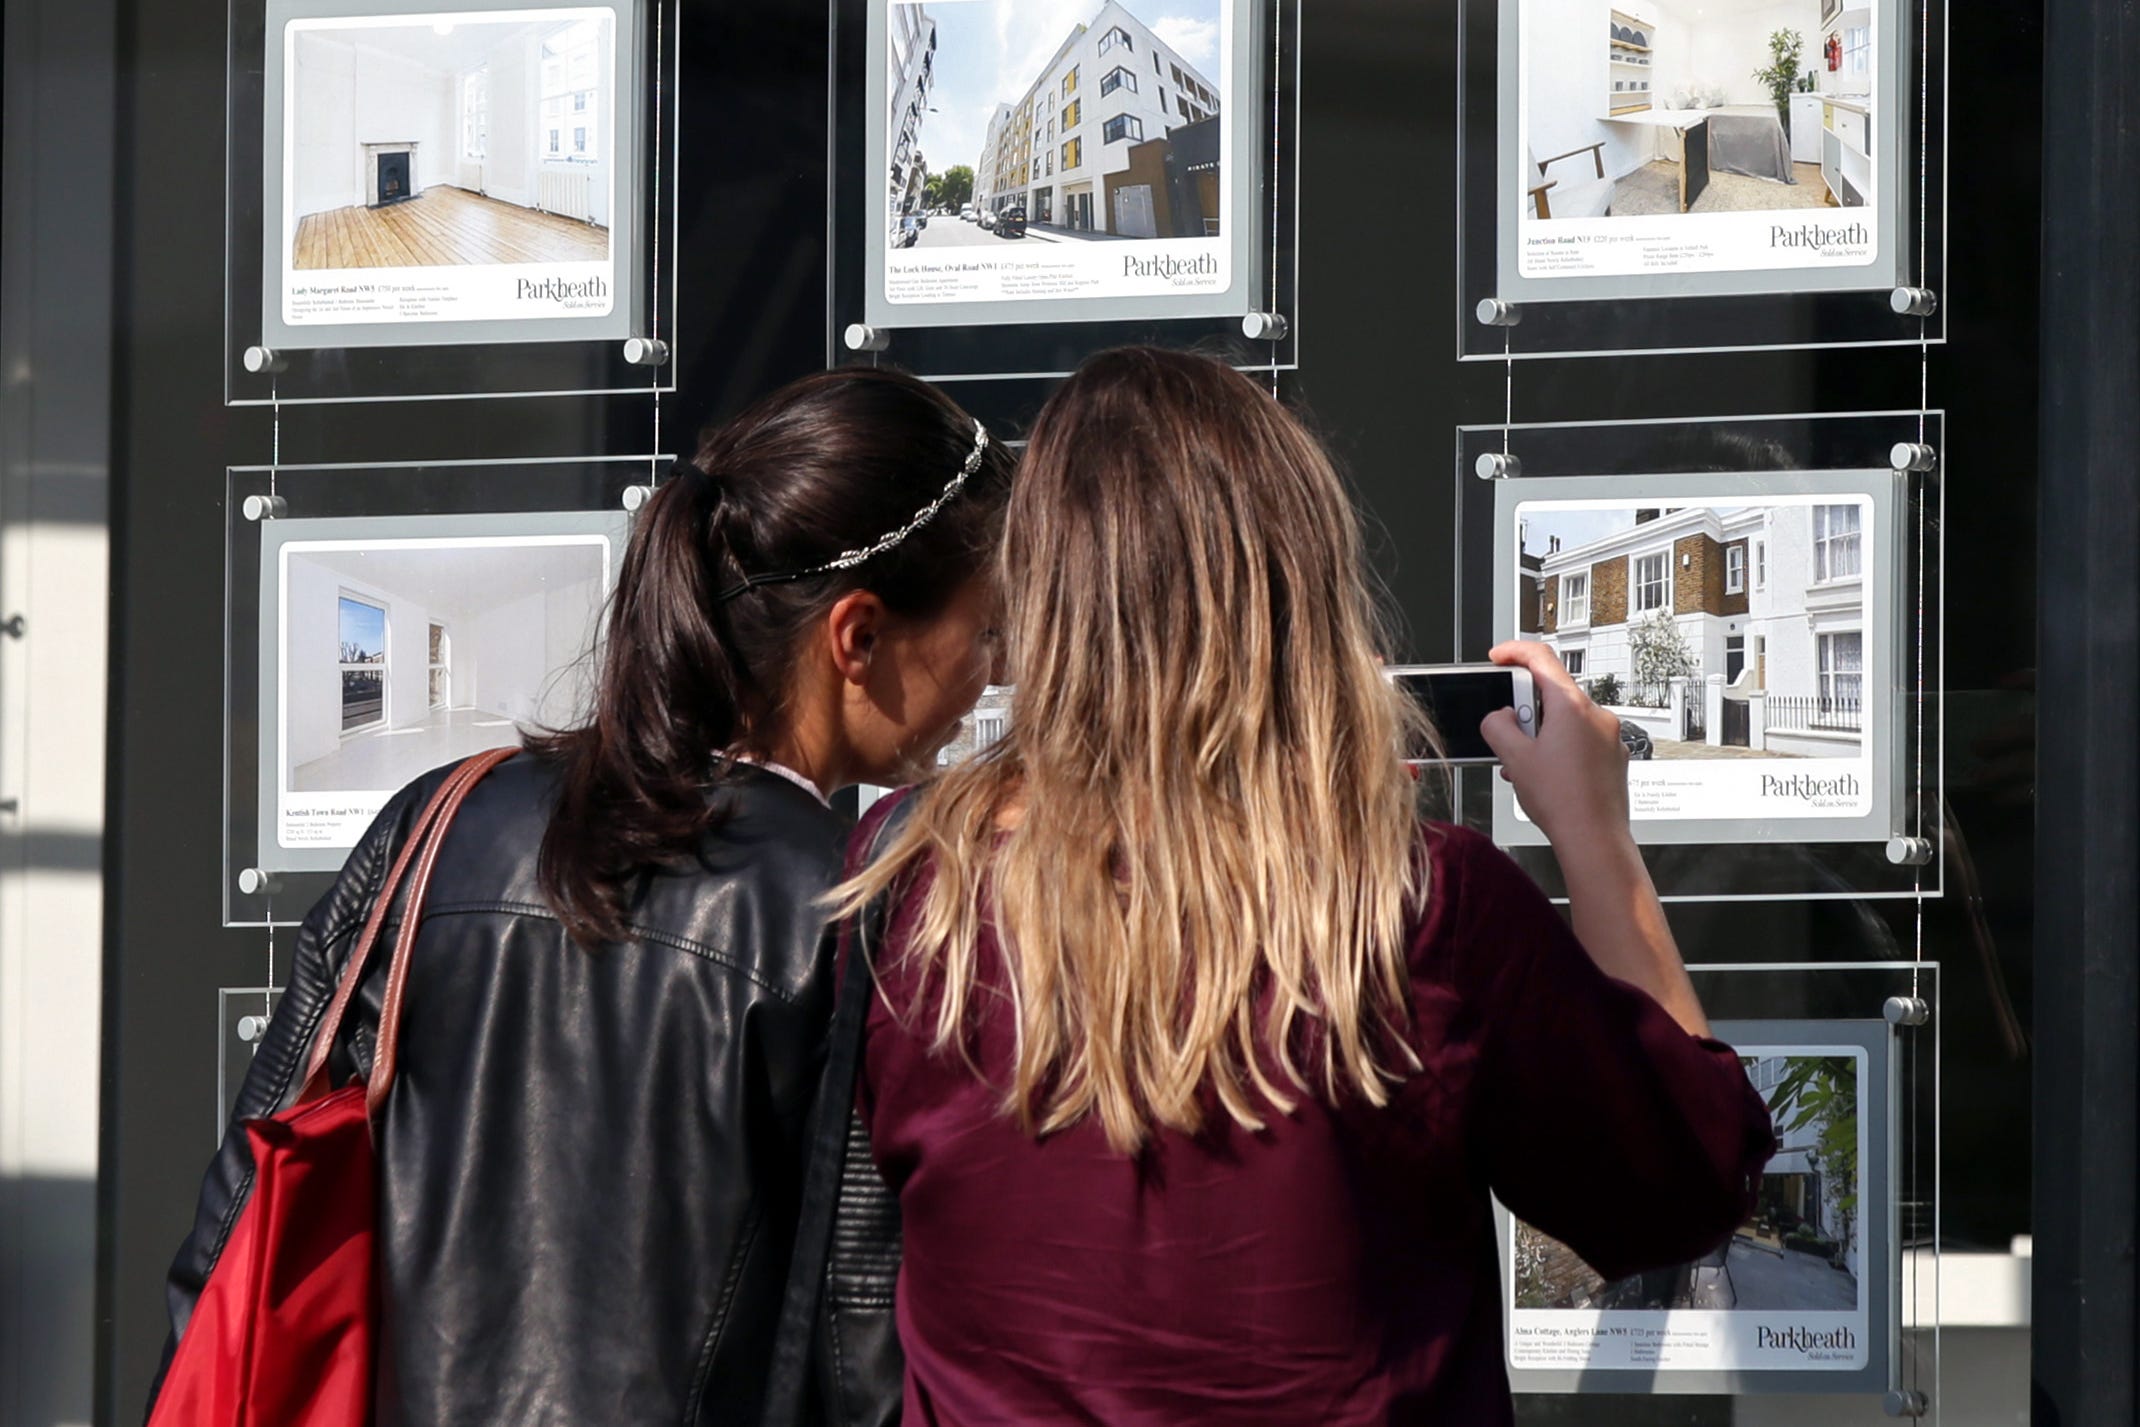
{"x":391,"y":620}
{"x":1830,"y":1284}
{"x":448,"y":197}
{"x":1771,"y":597}
{"x":1631,"y":182}
{"x":1147,"y":144}
{"x":1757,"y":601}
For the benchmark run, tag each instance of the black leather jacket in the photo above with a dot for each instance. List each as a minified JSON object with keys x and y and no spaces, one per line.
{"x":590,"y":1162}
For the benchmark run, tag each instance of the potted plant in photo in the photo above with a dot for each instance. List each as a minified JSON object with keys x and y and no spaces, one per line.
{"x":1785,"y":49}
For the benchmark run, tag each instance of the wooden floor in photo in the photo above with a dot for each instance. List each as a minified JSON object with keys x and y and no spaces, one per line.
{"x":444,"y":227}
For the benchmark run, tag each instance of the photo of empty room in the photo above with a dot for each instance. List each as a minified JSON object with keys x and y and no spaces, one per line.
{"x":449,"y":140}
{"x":400,"y":656}
{"x":1641,"y":108}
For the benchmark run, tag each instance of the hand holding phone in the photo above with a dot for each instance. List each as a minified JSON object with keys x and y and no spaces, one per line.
{"x":1458,"y":697}
{"x":1568,"y":764}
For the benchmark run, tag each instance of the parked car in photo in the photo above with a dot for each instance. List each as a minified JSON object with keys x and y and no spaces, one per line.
{"x":988,"y":219}
{"x":966,"y":213}
{"x":906,"y":231}
{"x":1010,"y":223}
{"x":1637,"y":739}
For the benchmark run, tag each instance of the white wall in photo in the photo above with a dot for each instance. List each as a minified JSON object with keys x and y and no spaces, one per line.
{"x":351,"y":94}
{"x":509,"y":166}
{"x":1563,"y":47}
{"x":1727,"y":42}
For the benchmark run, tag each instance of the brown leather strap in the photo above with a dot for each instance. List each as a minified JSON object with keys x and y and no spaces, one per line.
{"x":316,"y":1079}
{"x":412,"y":916}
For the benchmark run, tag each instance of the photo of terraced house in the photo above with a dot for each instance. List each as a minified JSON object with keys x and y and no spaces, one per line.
{"x":1801,"y":1248}
{"x":1723,"y":631}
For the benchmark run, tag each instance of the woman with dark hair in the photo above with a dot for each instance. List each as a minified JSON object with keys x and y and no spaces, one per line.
{"x":592,"y":1152}
{"x":1197,"y":1058}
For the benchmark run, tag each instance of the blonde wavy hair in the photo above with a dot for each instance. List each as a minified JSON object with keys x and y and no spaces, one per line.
{"x":1197,"y":840}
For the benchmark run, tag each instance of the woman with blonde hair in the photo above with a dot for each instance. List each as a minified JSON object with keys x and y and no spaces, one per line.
{"x":1197,"y":1057}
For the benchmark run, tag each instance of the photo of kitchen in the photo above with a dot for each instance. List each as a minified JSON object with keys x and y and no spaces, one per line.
{"x":1643,"y":108}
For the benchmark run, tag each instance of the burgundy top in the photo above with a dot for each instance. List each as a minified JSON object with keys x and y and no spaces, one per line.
{"x":1341,"y":1266}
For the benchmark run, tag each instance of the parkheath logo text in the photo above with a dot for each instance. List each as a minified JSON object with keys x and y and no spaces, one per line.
{"x":1805,"y":1341}
{"x":1171,"y":268}
{"x":1808,"y":789}
{"x":1818,"y":235}
{"x":551,"y":289}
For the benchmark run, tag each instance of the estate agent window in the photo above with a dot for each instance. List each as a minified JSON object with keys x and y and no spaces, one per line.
{"x":1575,"y":599}
{"x":1842,"y":665}
{"x":1123,"y":126}
{"x":1653,"y":581}
{"x":363,"y":663}
{"x":1116,"y":79}
{"x":1735,"y":570}
{"x":1835,"y":542}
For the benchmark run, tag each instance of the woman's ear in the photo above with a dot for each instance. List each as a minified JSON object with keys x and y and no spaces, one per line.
{"x":852,"y":629}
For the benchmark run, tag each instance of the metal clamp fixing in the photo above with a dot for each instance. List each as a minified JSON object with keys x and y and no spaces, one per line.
{"x":1265,"y":326}
{"x":637,"y":496}
{"x":254,"y":882}
{"x":1493,"y":312}
{"x":1497,"y":466}
{"x":265,"y":507}
{"x":861,"y":337}
{"x":1909,"y":851}
{"x":1906,"y":1011}
{"x":1912,"y":456}
{"x":646,"y":351}
{"x":262,"y":360}
{"x":1907,"y":1402}
{"x":1913,"y":301}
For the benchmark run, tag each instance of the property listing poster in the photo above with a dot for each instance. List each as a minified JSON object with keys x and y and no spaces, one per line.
{"x":1731,"y":637}
{"x":1650,"y":141}
{"x":1786,"y":1293}
{"x":398,"y":656}
{"x":1037,"y":150}
{"x":457,"y":166}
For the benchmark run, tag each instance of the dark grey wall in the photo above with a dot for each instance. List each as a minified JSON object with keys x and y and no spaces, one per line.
{"x":1377,"y":291}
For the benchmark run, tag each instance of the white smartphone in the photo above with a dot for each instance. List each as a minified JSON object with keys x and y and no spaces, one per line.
{"x":1458,"y":697}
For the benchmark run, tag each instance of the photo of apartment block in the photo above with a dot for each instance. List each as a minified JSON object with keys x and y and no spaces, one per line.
{"x":1108,"y":130}
{"x":1724,"y":631}
{"x":984,"y":726}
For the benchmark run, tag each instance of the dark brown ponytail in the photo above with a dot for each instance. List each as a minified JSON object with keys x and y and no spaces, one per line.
{"x":821,"y":467}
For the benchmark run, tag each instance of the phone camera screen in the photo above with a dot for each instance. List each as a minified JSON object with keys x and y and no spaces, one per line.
{"x":1458,"y":702}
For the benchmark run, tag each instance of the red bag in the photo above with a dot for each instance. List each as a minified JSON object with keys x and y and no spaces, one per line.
{"x":282,"y":1333}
